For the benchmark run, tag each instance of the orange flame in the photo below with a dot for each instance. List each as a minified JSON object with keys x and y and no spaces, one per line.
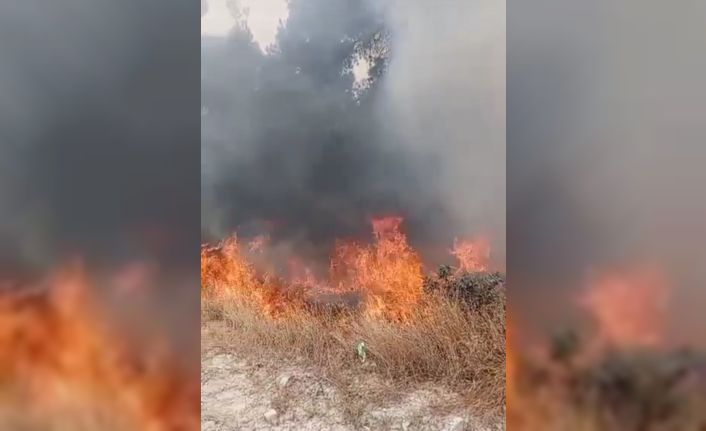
{"x":302,"y":275}
{"x":515,"y":406}
{"x":629,"y":308}
{"x":511,"y":365}
{"x":226,"y":273}
{"x":473,"y":256}
{"x":387,"y":273}
{"x":386,"y":226}
{"x":59,"y":351}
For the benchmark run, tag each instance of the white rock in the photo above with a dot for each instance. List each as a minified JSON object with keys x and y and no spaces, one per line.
{"x":208,"y":426}
{"x":283,"y":380}
{"x":221,"y":361}
{"x":271,"y":416}
{"x":455,"y":424}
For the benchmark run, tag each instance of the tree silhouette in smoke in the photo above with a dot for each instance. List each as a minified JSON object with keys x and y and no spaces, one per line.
{"x":286,"y":140}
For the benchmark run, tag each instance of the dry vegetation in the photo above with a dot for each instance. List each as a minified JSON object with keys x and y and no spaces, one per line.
{"x":454,"y":337}
{"x":621,"y":389}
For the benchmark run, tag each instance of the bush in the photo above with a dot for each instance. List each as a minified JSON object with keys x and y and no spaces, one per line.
{"x":476,"y":290}
{"x":615,"y":389}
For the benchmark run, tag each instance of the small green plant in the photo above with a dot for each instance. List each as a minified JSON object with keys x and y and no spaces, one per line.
{"x":361,"y":349}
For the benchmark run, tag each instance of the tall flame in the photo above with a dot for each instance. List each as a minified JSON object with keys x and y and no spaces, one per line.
{"x":226,"y":273}
{"x":387,"y":274}
{"x":59,"y":352}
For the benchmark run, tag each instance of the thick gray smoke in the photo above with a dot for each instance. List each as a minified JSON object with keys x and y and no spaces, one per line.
{"x":99,"y":145}
{"x":445,"y":100}
{"x":99,"y":141}
{"x":291,"y":146}
{"x":606,"y":154}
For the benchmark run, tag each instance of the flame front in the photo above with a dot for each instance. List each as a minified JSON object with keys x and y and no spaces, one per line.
{"x":228,"y":274}
{"x":60,"y":355}
{"x":387,"y":274}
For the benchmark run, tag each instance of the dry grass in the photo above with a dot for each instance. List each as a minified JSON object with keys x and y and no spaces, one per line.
{"x":445,"y":342}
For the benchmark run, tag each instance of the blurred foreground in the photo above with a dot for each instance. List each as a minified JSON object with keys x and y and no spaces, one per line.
{"x":66,"y":364}
{"x":622,"y":373}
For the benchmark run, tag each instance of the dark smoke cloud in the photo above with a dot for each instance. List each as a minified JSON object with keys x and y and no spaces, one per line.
{"x":606,"y":154}
{"x":287,"y":144}
{"x":99,"y":148}
{"x":99,"y":131}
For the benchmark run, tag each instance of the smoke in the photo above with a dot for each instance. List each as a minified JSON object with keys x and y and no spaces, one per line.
{"x":291,"y":144}
{"x":605,"y":163}
{"x":98,"y":130}
{"x":99,"y":147}
{"x":445,"y":100}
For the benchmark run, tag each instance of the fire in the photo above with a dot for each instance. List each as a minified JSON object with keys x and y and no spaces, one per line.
{"x":226,"y":273}
{"x":511,"y":365}
{"x":224,"y":267}
{"x":629,"y":308}
{"x":302,"y":276}
{"x":473,"y":256}
{"x":386,"y":226}
{"x":387,"y":274}
{"x":59,"y":353}
{"x":516,"y":410}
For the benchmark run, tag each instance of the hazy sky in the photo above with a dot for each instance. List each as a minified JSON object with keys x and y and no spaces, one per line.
{"x":263,"y":18}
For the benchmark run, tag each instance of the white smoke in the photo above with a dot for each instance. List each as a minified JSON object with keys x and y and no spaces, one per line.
{"x":446,"y":100}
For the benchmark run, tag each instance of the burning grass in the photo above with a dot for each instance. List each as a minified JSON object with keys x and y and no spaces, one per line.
{"x":376,"y":314}
{"x":624,"y":376}
{"x":65,"y":366}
